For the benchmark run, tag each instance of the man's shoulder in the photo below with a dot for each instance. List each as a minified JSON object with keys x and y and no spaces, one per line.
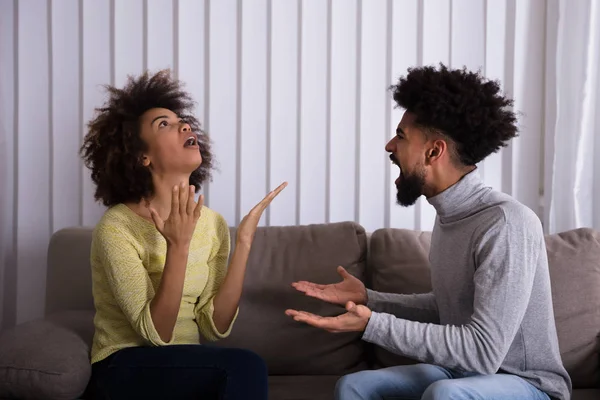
{"x":509,"y":208}
{"x":504,"y":212}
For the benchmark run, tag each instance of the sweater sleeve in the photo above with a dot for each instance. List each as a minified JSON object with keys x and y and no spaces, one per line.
{"x":115,"y":254}
{"x":217,"y":269}
{"x":505,"y":258}
{"x":415,"y":307}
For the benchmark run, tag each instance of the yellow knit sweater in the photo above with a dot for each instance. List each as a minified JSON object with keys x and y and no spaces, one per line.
{"x":127,"y":257}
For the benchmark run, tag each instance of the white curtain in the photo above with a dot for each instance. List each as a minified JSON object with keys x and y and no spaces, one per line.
{"x":573,"y":116}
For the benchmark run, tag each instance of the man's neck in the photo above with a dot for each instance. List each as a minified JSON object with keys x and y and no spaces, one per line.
{"x":445,"y":179}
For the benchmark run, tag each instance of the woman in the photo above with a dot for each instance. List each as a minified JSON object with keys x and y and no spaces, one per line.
{"x":159,"y":258}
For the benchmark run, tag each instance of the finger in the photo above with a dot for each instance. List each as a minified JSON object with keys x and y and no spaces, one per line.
{"x":307,"y":288}
{"x":304,"y":285}
{"x":175,"y":200}
{"x":319,"y":294}
{"x":269,"y":197}
{"x":350,"y":306}
{"x":309,"y":315}
{"x":343,"y":273}
{"x":191,"y":202}
{"x":183,"y":197}
{"x":199,"y":205}
{"x":291,"y":313}
{"x":296,"y":313}
{"x":324,"y":323}
{"x":278,"y":189}
{"x":158,"y":222}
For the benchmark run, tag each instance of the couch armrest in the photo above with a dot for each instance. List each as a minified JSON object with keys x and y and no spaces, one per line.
{"x":47,"y":358}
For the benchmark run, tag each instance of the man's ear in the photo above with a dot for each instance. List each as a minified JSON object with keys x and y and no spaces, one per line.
{"x":437,"y":149}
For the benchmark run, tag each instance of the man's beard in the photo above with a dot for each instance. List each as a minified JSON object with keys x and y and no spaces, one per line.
{"x":410,"y":187}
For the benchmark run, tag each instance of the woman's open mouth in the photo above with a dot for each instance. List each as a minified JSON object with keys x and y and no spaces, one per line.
{"x":192,"y":142}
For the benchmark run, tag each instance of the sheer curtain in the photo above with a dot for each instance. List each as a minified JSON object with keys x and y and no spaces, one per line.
{"x":572,"y":115}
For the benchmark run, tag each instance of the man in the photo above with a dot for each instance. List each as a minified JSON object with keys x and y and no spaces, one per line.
{"x":487,"y":329}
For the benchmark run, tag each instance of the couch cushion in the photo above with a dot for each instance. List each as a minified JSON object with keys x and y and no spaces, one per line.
{"x":69,"y":278}
{"x":303,"y":387}
{"x":586,"y":394}
{"x":398,"y":263}
{"x":280,"y":256}
{"x":48,"y":358}
{"x":574,"y":258}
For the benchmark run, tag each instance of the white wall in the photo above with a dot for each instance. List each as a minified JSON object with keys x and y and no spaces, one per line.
{"x":288,"y":89}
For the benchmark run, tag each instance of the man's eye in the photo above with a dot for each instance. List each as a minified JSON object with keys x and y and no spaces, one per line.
{"x":163,"y":123}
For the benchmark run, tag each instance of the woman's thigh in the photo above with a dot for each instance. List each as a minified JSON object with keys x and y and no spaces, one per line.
{"x":180,"y":372}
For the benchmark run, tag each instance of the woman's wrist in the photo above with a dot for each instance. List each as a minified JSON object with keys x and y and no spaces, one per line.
{"x":178,"y":249}
{"x":243,"y":245}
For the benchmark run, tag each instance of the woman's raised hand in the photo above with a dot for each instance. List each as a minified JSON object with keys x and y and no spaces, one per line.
{"x":247,"y":227}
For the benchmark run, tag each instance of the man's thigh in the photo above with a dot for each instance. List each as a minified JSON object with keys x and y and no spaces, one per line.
{"x":400,"y":382}
{"x":488,"y":387}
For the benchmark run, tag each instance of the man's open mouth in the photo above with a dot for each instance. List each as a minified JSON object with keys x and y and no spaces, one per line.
{"x":396,"y":163}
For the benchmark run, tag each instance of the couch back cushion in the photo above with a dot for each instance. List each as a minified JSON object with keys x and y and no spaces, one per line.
{"x":69,"y":276}
{"x":398,"y":263}
{"x":280,"y":256}
{"x":574,"y":258}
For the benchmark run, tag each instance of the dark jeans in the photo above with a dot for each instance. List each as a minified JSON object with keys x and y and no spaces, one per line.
{"x":180,"y":372}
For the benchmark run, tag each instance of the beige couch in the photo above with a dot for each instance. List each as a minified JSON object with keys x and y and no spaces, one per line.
{"x":48,"y":358}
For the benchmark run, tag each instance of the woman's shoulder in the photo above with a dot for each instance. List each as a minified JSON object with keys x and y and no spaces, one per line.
{"x":213,"y":216}
{"x":119,"y":221}
{"x":212,"y":225}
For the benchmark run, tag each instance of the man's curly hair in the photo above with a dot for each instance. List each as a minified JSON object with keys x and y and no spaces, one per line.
{"x":113,"y":148}
{"x":461,"y":105}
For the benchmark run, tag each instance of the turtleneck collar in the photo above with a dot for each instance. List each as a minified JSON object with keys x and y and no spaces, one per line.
{"x":460,"y":199}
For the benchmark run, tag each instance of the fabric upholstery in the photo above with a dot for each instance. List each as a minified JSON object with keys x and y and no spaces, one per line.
{"x":280,"y":256}
{"x":398,"y":263}
{"x":47,"y":358}
{"x":574,"y":258}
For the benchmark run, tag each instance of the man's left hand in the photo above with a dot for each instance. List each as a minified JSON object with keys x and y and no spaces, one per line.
{"x":355,"y":320}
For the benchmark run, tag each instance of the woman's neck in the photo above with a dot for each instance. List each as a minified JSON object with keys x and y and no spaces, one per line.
{"x":163,"y":192}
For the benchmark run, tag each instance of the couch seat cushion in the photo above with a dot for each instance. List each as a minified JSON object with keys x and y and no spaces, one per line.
{"x":586,"y":394}
{"x":303,"y":387}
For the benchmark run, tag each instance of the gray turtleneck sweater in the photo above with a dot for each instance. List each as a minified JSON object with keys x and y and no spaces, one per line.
{"x":491,"y":307}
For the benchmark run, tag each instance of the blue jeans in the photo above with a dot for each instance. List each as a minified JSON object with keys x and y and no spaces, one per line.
{"x":180,"y":372}
{"x":430,"y":382}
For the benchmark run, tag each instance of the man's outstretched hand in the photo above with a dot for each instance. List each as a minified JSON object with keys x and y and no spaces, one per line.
{"x":354,"y":320}
{"x":349,"y":289}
